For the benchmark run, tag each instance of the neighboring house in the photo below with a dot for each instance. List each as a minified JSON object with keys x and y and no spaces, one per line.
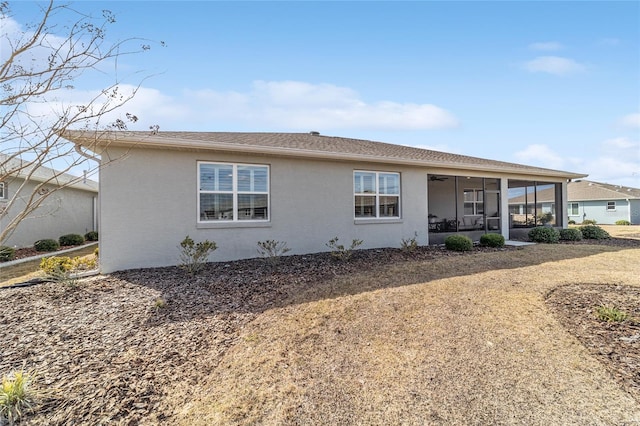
{"x":70,"y":207}
{"x":300,"y":188}
{"x":602,"y":202}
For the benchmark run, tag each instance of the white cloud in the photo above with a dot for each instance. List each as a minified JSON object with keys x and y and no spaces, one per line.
{"x":631,"y":120}
{"x":540,"y":155}
{"x":610,"y":41}
{"x":554,"y":65}
{"x":289,"y":105}
{"x":546,"y":46}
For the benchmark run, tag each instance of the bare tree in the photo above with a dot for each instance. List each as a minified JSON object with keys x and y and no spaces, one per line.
{"x":40,"y":63}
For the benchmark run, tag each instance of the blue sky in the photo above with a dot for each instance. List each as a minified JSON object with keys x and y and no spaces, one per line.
{"x":551,"y":84}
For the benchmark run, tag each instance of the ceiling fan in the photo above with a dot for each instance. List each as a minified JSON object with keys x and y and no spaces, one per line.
{"x":439,"y":179}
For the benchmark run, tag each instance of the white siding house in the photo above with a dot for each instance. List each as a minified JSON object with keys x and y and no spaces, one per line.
{"x":300,"y":188}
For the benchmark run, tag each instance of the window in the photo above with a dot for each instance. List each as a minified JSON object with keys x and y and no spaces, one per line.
{"x":377,"y":194}
{"x":611,"y":206}
{"x":574,"y":209}
{"x":3,"y":195}
{"x":233,"y":192}
{"x":473,"y":202}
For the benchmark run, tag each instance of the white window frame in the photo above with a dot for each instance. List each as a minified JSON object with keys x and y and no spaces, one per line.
{"x":611,"y":204}
{"x":577,"y":209}
{"x":475,"y":202}
{"x":235,"y":193}
{"x":377,"y":194}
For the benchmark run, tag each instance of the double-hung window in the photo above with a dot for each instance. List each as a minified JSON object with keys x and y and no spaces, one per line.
{"x":376,"y":194}
{"x":473,"y":202}
{"x":574,"y":209}
{"x":233,"y":192}
{"x":611,"y":206}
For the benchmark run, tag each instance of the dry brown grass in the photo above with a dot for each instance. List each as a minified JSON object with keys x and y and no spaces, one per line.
{"x":464,"y":341}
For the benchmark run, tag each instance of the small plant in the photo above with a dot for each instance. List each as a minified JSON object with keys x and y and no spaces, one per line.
{"x":571,"y":222}
{"x":91,"y":236}
{"x":71,"y":240}
{"x":409,"y":245}
{"x":16,"y":395}
{"x":96,"y":252}
{"x":159,"y":303}
{"x":340,"y":252}
{"x":492,"y":240}
{"x":193,"y":256}
{"x":544,"y":234}
{"x":623,"y":222}
{"x":272,"y":250}
{"x":56,"y":265}
{"x":570,"y":234}
{"x":46,"y":245}
{"x":458,"y":243}
{"x":7,"y":253}
{"x":589,"y":222}
{"x":594,"y":232}
{"x":610,"y":314}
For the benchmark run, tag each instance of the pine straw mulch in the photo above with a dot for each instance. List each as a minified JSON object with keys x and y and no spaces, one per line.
{"x":112,"y":349}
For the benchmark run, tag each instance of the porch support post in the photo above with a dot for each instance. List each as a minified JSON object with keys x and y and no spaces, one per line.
{"x":504,"y":207}
{"x":564,"y":205}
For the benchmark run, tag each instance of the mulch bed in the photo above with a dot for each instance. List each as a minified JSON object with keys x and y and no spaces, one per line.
{"x":616,"y":344}
{"x":112,"y":349}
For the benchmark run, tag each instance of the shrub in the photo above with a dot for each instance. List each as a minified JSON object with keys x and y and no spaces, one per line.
{"x":339,"y":251}
{"x":623,"y":222}
{"x":572,"y":222}
{"x":589,"y":222}
{"x":492,"y":240}
{"x":544,"y":234}
{"x":7,"y":253}
{"x":271,"y":250}
{"x":594,"y":232}
{"x":570,"y":234}
{"x":91,"y":236}
{"x":56,"y":265}
{"x":16,"y":395}
{"x":71,"y":240}
{"x":409,"y":245}
{"x":46,"y":245}
{"x":96,"y":252}
{"x":194,"y":256}
{"x":610,"y":314}
{"x":458,"y":243}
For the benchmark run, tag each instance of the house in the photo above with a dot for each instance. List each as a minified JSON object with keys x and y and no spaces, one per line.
{"x":70,"y":206}
{"x":300,"y":188}
{"x":604,"y":203}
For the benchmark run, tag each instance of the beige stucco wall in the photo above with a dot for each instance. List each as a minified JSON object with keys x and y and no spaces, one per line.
{"x":149,"y":204}
{"x":64,"y":211}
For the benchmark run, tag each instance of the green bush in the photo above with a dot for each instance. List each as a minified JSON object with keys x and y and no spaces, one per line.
{"x":572,"y":222}
{"x":71,"y":240}
{"x":340,"y":252}
{"x":272,"y":250}
{"x":46,"y":245}
{"x":193,"y":256}
{"x":91,"y":236}
{"x":7,"y":253}
{"x":611,"y":314}
{"x":16,"y":395}
{"x":593,"y":232}
{"x":56,"y":265}
{"x":458,"y":243}
{"x":570,"y":234}
{"x":544,"y":234}
{"x":623,"y":222}
{"x":492,"y":240}
{"x":589,"y":222}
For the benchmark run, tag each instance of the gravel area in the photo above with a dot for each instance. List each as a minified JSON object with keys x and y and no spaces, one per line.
{"x":126,"y":348}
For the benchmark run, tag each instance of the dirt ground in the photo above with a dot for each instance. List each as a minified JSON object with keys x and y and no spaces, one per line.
{"x":496,"y":336}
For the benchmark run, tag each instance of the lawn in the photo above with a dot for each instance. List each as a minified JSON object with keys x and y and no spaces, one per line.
{"x":435,"y":338}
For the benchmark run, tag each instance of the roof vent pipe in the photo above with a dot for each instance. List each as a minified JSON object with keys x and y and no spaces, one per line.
{"x":314,"y":133}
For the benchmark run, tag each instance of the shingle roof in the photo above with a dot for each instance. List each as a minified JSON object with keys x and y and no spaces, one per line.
{"x":585,"y":190}
{"x":21,"y":169}
{"x":306,"y":145}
